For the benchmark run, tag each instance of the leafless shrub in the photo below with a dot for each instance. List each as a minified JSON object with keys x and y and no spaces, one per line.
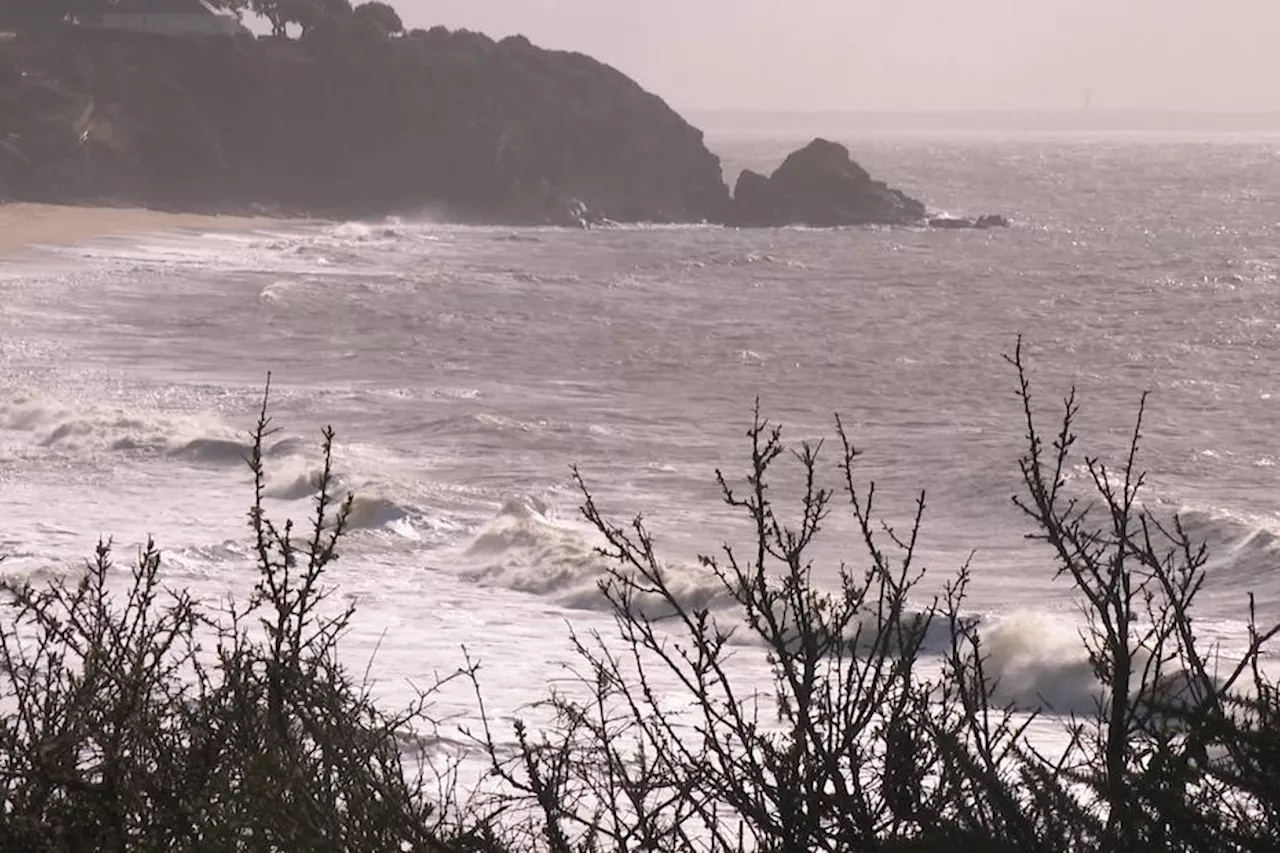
{"x":860,"y":748}
{"x":140,"y":720}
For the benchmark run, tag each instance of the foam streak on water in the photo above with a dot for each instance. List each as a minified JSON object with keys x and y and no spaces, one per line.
{"x":466,"y":369}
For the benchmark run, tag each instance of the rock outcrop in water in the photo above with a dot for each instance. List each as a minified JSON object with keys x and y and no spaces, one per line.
{"x":820,"y":185}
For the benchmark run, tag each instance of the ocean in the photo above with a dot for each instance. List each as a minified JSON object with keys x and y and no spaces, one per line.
{"x":466,"y":369}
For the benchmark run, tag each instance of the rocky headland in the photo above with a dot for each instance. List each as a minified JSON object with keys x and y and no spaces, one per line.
{"x":448,"y":122}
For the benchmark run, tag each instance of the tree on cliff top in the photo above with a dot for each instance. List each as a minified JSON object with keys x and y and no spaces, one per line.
{"x":375,"y":16}
{"x":307,"y":14}
{"x":379,"y":16}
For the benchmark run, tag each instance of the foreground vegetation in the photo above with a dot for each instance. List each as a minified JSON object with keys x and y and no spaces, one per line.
{"x":142,"y":720}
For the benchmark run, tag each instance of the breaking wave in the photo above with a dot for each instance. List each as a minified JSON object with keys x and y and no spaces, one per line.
{"x":934,"y":634}
{"x":1032,"y":660}
{"x":1036,"y":662}
{"x":1243,"y":550}
{"x":364,"y":232}
{"x":526,"y":549}
{"x":94,"y":429}
{"x":372,"y":512}
{"x":1039,"y":662}
{"x":371,"y":509}
{"x":300,"y":478}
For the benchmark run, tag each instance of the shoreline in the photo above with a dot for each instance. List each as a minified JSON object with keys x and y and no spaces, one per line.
{"x":25,"y":227}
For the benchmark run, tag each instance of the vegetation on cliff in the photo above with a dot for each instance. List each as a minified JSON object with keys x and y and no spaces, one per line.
{"x":281,"y":14}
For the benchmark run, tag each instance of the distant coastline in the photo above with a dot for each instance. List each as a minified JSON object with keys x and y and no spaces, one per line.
{"x":745,"y":120}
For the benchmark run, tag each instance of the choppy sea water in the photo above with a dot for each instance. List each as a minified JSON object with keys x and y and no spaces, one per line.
{"x":466,"y":370}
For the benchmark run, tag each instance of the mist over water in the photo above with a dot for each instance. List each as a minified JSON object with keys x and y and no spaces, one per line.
{"x":466,"y":370}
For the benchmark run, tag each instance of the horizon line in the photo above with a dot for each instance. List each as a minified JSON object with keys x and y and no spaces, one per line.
{"x":1053,"y":111}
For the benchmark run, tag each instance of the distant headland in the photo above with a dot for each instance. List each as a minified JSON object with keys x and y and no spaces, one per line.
{"x":341,"y":112}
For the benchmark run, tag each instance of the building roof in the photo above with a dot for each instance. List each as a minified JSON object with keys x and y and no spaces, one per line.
{"x":160,"y":7}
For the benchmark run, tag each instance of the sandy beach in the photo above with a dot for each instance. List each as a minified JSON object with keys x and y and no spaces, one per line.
{"x":25,"y":225}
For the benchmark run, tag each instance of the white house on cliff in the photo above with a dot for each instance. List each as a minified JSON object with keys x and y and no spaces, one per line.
{"x":169,"y":17}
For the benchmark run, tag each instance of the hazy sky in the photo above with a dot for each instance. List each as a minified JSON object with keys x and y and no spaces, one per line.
{"x":910,"y":54}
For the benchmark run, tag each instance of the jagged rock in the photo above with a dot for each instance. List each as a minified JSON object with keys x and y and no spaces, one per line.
{"x":820,"y":185}
{"x":754,"y":201}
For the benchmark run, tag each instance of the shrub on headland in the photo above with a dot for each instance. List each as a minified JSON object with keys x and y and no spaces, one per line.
{"x":142,"y":720}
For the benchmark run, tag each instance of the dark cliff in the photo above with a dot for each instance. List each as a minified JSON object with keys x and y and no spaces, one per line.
{"x":477,"y":129}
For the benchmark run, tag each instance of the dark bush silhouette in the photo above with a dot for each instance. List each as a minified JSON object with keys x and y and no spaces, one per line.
{"x":859,"y":750}
{"x":133,"y":718}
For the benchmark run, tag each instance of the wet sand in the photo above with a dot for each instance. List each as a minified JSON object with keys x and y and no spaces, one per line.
{"x":24,"y":226}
